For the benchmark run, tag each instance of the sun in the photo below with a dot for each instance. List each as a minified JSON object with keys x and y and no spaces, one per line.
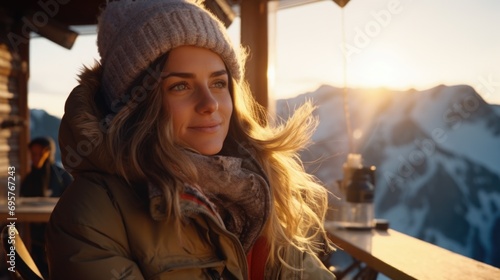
{"x":380,"y":66}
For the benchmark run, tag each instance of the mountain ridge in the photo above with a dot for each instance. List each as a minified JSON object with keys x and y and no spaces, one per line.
{"x":437,"y":154}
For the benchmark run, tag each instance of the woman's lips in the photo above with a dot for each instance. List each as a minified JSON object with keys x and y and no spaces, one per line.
{"x":207,"y":128}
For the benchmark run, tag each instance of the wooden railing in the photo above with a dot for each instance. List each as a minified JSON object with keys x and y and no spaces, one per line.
{"x":400,"y":256}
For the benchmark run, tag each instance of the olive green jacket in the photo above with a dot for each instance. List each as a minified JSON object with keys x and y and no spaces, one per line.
{"x":102,"y":229}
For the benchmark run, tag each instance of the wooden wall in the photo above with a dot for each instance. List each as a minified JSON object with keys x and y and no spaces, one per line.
{"x":14,"y":115}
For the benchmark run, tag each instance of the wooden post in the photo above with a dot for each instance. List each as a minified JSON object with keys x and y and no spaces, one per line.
{"x":254,"y":35}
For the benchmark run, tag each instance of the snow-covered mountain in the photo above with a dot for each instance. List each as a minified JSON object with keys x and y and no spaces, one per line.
{"x":437,"y":154}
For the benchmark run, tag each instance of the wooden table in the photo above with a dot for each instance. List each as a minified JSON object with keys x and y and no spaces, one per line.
{"x":400,"y":256}
{"x":28,"y":210}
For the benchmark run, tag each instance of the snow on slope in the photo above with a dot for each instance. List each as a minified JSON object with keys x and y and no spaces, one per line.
{"x":437,"y":158}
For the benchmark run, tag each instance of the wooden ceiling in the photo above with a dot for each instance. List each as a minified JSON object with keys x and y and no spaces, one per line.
{"x":78,"y":12}
{"x":72,"y":12}
{"x":67,"y":12}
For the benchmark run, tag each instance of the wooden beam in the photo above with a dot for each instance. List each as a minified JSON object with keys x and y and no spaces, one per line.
{"x":254,"y":36}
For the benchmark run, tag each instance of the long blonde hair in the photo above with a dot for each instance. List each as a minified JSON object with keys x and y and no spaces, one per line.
{"x":142,"y":143}
{"x":300,"y":202}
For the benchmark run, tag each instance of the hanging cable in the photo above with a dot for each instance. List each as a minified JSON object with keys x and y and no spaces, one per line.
{"x":345,"y":96}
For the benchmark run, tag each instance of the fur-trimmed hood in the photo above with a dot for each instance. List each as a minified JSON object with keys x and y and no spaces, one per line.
{"x":82,"y":132}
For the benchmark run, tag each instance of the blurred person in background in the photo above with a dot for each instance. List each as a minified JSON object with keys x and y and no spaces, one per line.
{"x":46,"y":179}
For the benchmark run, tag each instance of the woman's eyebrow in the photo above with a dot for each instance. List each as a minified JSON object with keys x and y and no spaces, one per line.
{"x":191,"y":75}
{"x":218,"y":73}
{"x":180,"y":75}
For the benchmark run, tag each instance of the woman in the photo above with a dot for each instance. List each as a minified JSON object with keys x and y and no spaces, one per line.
{"x":175,"y":177}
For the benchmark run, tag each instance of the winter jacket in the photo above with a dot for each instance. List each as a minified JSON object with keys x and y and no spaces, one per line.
{"x":106,"y":228}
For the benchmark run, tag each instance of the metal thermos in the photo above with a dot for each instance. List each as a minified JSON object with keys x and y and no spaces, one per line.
{"x":357,"y":191}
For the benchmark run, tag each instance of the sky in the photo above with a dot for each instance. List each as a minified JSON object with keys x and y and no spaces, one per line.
{"x":394,"y":44}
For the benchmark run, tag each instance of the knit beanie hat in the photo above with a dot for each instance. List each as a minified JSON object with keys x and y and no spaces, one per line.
{"x":134,"y":33}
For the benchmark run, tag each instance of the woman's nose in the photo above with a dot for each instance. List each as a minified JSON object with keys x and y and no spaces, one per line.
{"x":207,"y":103}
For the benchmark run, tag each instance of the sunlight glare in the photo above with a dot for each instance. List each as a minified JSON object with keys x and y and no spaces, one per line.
{"x":380,"y":66}
{"x":357,"y":134}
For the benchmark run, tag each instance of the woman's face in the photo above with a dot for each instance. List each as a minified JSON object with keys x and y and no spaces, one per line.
{"x":196,"y":94}
{"x":39,"y":155}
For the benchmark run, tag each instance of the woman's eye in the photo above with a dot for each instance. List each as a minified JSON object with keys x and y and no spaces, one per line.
{"x":220,"y":84}
{"x":179,"y":87}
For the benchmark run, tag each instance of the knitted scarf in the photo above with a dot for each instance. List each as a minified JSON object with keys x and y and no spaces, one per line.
{"x":240,"y":195}
{"x":234,"y":189}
